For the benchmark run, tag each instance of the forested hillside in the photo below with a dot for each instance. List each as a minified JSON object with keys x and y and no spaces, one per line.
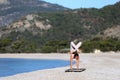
{"x":52,"y":31}
{"x":12,"y":10}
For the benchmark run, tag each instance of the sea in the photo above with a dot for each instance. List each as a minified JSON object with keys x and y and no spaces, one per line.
{"x":13,"y":66}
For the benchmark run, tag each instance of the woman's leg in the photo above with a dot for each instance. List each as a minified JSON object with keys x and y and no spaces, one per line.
{"x":77,"y":62}
{"x":71,"y":60}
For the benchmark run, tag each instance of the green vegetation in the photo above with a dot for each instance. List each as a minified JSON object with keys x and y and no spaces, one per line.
{"x":22,"y":45}
{"x":4,"y":43}
{"x":19,"y":8}
{"x":18,"y":46}
{"x":82,"y":24}
{"x":54,"y":46}
{"x":110,"y":44}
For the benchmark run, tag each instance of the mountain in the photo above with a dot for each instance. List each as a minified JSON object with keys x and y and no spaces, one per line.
{"x":55,"y":30}
{"x":11,"y":10}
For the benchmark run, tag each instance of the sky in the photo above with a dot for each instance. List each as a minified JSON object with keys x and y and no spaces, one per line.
{"x":74,"y":4}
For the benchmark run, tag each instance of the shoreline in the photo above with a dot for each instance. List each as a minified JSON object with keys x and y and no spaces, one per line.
{"x":104,"y":66}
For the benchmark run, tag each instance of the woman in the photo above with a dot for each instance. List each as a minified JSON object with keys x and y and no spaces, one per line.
{"x":74,"y":53}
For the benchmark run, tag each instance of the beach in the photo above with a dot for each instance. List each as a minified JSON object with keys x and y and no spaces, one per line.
{"x":103,"y":66}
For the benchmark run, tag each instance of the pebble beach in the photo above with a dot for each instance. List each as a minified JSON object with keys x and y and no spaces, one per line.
{"x":103,"y":66}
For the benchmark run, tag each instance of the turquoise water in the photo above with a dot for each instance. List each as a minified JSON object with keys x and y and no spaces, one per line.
{"x":12,"y":66}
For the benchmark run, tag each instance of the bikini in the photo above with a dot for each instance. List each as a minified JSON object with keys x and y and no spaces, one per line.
{"x":75,"y":54}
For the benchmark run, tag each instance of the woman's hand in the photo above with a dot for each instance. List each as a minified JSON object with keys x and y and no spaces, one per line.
{"x":79,"y":51}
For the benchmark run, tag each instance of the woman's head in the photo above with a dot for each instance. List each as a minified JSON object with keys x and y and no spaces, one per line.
{"x":76,"y":41}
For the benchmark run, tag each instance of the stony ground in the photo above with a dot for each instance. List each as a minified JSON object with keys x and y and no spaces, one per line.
{"x":104,"y":66}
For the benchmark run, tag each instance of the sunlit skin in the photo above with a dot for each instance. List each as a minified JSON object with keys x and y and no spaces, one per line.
{"x":77,"y":59}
